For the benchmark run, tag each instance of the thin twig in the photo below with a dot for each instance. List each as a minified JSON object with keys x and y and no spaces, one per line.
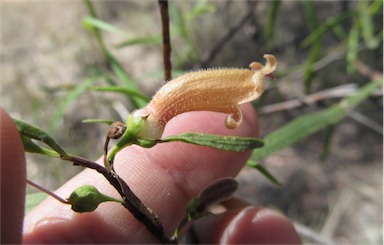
{"x":231,"y":31}
{"x":131,"y":202}
{"x":40,"y":188}
{"x":336,"y":92}
{"x":163,"y":4}
{"x":366,"y":71}
{"x":378,"y":128}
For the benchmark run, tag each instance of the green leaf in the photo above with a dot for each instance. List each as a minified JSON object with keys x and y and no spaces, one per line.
{"x":353,"y":45}
{"x":30,"y":146}
{"x":70,"y":98}
{"x":102,"y":25}
{"x":227,"y":143}
{"x":269,"y":28}
{"x":329,"y":23}
{"x":140,"y":41}
{"x":264,"y":171}
{"x":124,"y":90}
{"x":33,"y":132}
{"x":104,"y":121}
{"x":113,"y":63}
{"x":366,"y":23}
{"x":306,"y":125}
{"x":200,"y":8}
{"x":34,"y":199}
{"x":126,"y":79}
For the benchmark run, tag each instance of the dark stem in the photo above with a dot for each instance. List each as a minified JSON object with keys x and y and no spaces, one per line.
{"x":105,"y":160}
{"x":131,"y":202}
{"x":163,"y":4}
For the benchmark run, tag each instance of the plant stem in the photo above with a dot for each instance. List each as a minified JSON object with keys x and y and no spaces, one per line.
{"x":163,"y":4}
{"x":131,"y":202}
{"x":39,"y":187}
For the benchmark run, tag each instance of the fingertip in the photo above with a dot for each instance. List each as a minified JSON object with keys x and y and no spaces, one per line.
{"x":251,"y":225}
{"x":13,"y":172}
{"x":264,"y":226}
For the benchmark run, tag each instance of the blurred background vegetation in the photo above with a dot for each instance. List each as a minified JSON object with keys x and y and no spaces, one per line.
{"x":328,"y":156}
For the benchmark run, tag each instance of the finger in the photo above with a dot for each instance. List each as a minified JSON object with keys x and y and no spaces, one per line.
{"x":165,"y":177}
{"x":250,"y":225}
{"x":13,"y":182}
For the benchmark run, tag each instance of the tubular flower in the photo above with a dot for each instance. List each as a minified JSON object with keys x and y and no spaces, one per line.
{"x":218,"y":90}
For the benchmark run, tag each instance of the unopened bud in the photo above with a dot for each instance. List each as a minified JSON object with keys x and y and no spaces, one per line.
{"x":87,"y":198}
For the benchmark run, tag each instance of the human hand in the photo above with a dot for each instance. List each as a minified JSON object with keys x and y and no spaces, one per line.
{"x":165,"y":177}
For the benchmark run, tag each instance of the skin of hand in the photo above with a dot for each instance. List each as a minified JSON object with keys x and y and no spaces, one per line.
{"x":165,"y":177}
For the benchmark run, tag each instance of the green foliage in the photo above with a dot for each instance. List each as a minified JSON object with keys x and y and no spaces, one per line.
{"x":227,"y":143}
{"x":95,"y":26}
{"x":123,"y":90}
{"x":264,"y":172}
{"x":28,"y":132}
{"x":182,"y":20}
{"x":91,"y":23}
{"x":305,"y":125}
{"x":33,"y":199}
{"x":269,"y":29}
{"x":140,"y":41}
{"x":70,"y":98}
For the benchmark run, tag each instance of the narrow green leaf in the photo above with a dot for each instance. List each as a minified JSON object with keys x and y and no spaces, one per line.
{"x":308,"y":124}
{"x":320,"y":30}
{"x":70,"y":98}
{"x":178,"y":19}
{"x":126,"y":79}
{"x":376,"y":7}
{"x":329,"y":132}
{"x":104,"y":121}
{"x":92,"y":29}
{"x":227,"y":143}
{"x":102,"y":25}
{"x":353,"y":45}
{"x":309,"y":66}
{"x":30,"y":131}
{"x":34,"y":199}
{"x":114,"y":64}
{"x":315,"y":46}
{"x":264,"y":171}
{"x":30,"y":146}
{"x":140,"y":41}
{"x":269,"y":28}
{"x":200,"y":8}
{"x":366,"y":25}
{"x":123,"y":90}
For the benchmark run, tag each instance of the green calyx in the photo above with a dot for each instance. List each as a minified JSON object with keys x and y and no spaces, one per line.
{"x":131,"y":136}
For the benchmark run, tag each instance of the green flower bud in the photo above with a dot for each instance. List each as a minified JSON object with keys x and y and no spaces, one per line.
{"x":87,"y":198}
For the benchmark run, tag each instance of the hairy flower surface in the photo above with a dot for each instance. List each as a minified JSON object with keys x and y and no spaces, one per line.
{"x":218,"y":90}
